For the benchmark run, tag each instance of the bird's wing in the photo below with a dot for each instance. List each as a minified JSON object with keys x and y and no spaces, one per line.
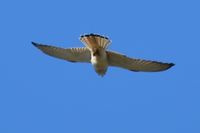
{"x":119,"y":60}
{"x":70,"y":54}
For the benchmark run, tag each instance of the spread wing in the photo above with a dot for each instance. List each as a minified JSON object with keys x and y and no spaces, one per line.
{"x":119,"y":60}
{"x":70,"y":54}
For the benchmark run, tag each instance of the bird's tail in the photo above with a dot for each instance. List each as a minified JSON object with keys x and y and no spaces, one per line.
{"x":93,"y":41}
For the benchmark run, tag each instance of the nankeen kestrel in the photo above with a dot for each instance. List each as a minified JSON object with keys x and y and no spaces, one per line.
{"x":96,"y":53}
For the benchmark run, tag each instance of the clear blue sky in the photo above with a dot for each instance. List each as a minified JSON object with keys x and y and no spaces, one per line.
{"x":41,"y":94}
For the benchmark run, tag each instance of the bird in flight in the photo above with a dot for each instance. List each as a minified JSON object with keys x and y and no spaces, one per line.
{"x":96,"y":53}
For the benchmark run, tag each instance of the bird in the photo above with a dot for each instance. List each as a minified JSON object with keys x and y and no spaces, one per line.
{"x":96,"y":52}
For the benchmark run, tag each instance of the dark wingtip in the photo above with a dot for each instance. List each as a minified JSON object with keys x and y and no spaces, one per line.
{"x":34,"y":43}
{"x":171,"y":64}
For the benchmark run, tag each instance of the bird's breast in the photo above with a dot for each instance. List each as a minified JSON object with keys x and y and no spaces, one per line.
{"x":100,"y":63}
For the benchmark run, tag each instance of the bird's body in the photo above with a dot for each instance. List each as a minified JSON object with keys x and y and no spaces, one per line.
{"x":99,"y":61}
{"x":97,"y":54}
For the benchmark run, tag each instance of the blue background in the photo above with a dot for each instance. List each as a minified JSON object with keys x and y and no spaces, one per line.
{"x":41,"y":94}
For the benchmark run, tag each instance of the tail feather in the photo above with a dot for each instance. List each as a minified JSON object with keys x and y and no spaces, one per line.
{"x":93,"y":41}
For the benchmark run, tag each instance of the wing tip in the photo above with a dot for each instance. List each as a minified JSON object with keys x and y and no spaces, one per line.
{"x":35,"y":44}
{"x":170,"y":65}
{"x":38,"y":45}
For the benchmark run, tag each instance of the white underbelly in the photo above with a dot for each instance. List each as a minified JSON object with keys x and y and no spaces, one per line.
{"x":99,"y":62}
{"x":100,"y":65}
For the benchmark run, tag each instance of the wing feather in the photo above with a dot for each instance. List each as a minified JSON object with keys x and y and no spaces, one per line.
{"x":70,"y":54}
{"x":119,"y":60}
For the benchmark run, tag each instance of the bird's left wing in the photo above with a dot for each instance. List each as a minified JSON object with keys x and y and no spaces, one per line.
{"x":70,"y":54}
{"x":119,"y":60}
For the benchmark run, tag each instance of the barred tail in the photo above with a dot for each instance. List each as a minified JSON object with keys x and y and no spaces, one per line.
{"x":95,"y":41}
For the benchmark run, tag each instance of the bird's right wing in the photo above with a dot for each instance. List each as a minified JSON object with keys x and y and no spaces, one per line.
{"x":119,"y":60}
{"x":70,"y":54}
